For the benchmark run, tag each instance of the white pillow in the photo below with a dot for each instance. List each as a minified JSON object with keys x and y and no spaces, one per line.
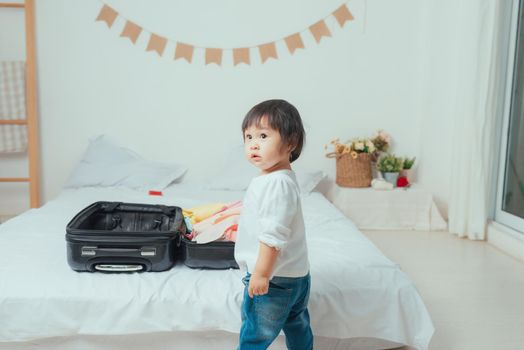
{"x":102,"y":149}
{"x":150,"y":175}
{"x":308,"y":181}
{"x":238,"y":172}
{"x":105,"y":163}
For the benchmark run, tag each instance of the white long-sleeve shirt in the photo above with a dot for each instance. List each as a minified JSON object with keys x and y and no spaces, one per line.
{"x":272,"y":214}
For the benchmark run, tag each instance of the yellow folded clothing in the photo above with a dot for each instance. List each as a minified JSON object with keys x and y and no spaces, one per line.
{"x":202,"y":212}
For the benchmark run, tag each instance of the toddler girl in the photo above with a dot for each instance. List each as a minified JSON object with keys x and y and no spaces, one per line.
{"x":271,"y":243}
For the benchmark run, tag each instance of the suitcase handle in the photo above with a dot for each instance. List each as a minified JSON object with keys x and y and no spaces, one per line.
{"x":159,"y":208}
{"x":118,"y":267}
{"x":118,"y":264}
{"x":93,"y":250}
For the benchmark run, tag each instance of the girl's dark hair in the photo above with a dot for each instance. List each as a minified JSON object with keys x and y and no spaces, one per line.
{"x":282,"y":116}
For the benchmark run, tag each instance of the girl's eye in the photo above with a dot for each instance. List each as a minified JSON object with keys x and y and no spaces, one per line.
{"x":248,"y":137}
{"x":263,"y":136}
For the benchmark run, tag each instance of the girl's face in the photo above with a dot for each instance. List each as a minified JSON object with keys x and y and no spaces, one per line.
{"x":264,"y":148}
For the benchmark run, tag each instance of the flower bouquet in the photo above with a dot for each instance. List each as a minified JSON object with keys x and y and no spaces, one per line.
{"x":353,"y":161}
{"x":381,"y":140}
{"x":356,"y":159}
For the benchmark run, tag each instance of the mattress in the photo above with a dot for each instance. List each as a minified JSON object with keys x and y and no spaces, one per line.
{"x":356,"y":293}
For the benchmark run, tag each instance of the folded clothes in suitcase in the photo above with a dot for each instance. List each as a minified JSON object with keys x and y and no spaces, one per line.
{"x":124,"y":237}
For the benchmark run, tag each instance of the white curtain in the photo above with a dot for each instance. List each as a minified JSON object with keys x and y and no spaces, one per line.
{"x":483,"y":27}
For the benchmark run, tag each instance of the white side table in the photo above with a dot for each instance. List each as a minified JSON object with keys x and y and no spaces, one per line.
{"x":410,"y":208}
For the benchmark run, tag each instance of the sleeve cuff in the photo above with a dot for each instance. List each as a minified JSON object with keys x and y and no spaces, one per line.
{"x":272,"y":241}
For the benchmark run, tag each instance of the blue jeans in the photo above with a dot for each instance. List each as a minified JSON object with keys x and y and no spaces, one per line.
{"x":284,"y":307}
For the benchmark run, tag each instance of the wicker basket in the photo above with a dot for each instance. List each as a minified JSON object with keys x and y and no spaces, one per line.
{"x":353,"y":172}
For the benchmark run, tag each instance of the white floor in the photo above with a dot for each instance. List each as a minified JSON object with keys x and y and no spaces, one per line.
{"x":474,"y":292}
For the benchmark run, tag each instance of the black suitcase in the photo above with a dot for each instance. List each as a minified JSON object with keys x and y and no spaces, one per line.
{"x":212,"y":255}
{"x":124,"y":237}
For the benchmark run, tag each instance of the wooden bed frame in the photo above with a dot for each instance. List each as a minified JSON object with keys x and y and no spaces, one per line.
{"x":31,"y":119}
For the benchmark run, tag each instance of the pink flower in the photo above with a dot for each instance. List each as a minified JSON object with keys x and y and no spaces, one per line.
{"x":385,"y":136}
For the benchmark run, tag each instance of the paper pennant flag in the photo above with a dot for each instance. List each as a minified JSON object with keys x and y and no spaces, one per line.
{"x":156,"y":43}
{"x":267,"y":51}
{"x":294,"y":42}
{"x":319,"y":30}
{"x":214,"y":56}
{"x":131,"y":31}
{"x":342,"y":15}
{"x":184,"y":51}
{"x":241,"y":55}
{"x":108,"y":15}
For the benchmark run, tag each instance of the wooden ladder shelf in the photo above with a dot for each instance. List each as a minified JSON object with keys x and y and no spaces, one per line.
{"x":31,"y":105}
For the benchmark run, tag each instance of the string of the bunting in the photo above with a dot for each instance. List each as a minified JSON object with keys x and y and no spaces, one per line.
{"x":184,"y":50}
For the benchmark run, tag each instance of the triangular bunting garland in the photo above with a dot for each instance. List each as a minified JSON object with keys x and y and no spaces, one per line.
{"x":185,"y":51}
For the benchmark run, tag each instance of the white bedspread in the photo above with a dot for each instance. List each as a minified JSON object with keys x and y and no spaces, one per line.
{"x":356,"y":291}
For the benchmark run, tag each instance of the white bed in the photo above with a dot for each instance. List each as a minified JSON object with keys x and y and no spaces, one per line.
{"x":359,"y":298}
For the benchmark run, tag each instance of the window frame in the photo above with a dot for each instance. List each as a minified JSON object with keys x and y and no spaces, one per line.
{"x":501,"y":216}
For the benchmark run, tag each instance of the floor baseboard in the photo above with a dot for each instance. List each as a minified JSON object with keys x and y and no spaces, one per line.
{"x":506,"y":239}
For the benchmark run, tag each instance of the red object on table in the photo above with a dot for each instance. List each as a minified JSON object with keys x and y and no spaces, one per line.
{"x":402,"y":181}
{"x":155,"y":193}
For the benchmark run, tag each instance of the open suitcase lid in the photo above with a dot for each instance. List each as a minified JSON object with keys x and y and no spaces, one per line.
{"x":130,"y":219}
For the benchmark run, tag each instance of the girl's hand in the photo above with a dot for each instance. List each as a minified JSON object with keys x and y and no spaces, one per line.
{"x":258,"y":285}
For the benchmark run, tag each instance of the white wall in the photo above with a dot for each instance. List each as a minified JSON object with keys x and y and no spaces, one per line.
{"x":391,"y":68}
{"x":437,"y":103}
